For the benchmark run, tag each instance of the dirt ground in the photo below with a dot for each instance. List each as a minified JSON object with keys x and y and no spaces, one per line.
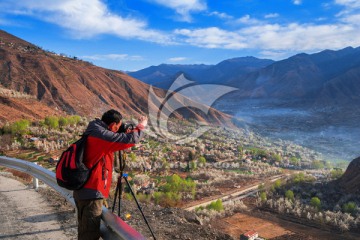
{"x":272,"y":227}
{"x":240,"y":223}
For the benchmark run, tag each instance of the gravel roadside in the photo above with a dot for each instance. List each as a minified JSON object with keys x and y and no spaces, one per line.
{"x":27,"y":214}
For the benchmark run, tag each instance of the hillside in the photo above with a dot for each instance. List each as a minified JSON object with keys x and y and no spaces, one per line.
{"x":47,"y":83}
{"x":350,"y":181}
{"x":307,"y":80}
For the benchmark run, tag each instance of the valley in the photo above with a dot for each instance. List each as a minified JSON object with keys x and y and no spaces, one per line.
{"x":330,"y":134}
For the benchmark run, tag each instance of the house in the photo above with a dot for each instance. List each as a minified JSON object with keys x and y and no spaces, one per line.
{"x":250,"y":235}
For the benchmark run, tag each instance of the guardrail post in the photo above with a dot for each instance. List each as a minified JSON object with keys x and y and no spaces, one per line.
{"x":35,"y":182}
{"x":112,"y":227}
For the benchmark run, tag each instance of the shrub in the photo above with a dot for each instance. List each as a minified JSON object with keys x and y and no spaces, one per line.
{"x":263,"y":196}
{"x":349,"y":207}
{"x":289,"y":195}
{"x":217,"y":206}
{"x":20,"y":127}
{"x":336,"y":173}
{"x":168,"y":199}
{"x":63,"y":122}
{"x":52,"y":122}
{"x":316,"y":203}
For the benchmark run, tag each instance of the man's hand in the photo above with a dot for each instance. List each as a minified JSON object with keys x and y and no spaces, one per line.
{"x":143,"y":120}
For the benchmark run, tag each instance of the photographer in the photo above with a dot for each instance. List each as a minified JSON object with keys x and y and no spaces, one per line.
{"x":104,"y":138}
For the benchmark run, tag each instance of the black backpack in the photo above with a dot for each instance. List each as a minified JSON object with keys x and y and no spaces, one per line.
{"x":71,"y":172}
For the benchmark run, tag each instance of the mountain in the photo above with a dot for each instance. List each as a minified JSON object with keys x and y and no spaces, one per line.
{"x":35,"y":83}
{"x":321,"y":79}
{"x":350,"y":180}
{"x":163,"y":75}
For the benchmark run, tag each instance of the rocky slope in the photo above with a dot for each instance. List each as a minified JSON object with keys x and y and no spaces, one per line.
{"x":46,"y":83}
{"x":350,"y":181}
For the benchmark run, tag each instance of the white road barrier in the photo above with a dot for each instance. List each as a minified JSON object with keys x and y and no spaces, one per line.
{"x":112,"y":226}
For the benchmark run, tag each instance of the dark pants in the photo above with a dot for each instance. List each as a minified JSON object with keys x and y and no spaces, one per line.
{"x":89,"y":216}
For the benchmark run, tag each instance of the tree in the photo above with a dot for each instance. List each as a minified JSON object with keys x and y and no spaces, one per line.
{"x":263,"y":196}
{"x":336,"y":173}
{"x":52,"y":122}
{"x":295,"y":161}
{"x":289,"y":195}
{"x":316,"y":203}
{"x":202,"y":161}
{"x":317,"y":164}
{"x":63,"y":122}
{"x":19,"y":127}
{"x":217,"y":205}
{"x":277,"y":157}
{"x":349,"y":207}
{"x":277,"y":185}
{"x":193,"y":165}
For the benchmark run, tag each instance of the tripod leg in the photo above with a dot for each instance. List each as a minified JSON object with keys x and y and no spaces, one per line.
{"x":120,"y":194}
{"x":138,"y":205}
{"x":116,"y":193}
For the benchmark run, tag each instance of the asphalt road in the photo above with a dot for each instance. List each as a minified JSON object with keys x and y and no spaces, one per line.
{"x":24,"y":213}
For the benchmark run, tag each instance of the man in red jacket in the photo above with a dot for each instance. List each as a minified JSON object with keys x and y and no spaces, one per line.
{"x":103,"y":140}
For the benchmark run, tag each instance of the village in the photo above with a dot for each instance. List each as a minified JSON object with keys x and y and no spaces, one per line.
{"x":220,"y":162}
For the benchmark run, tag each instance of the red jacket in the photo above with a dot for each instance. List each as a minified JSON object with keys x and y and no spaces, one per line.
{"x":99,"y":155}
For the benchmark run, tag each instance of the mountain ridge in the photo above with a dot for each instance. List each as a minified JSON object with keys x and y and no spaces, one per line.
{"x":63,"y":85}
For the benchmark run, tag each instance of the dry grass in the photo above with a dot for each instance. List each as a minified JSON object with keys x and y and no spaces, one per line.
{"x":23,"y":176}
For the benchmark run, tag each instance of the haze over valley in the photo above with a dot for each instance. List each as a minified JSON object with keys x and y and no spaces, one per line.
{"x":311,"y":99}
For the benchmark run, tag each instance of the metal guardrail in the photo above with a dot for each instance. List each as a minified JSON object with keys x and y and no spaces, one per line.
{"x":112,"y":227}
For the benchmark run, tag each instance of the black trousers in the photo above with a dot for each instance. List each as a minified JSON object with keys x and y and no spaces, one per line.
{"x":89,"y":217}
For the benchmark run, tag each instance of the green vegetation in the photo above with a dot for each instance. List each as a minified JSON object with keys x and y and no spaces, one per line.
{"x":295,"y":161}
{"x":276,"y":185}
{"x":217,"y":206}
{"x":336,"y":173}
{"x":20,"y":127}
{"x":317,"y":164}
{"x":54,"y":122}
{"x":277,"y":157}
{"x":257,"y":152}
{"x":193,"y":165}
{"x":263,"y":196}
{"x":171,"y":193}
{"x":202,"y":160}
{"x":302,"y":178}
{"x":316,"y":203}
{"x":349,"y":207}
{"x":289,"y":195}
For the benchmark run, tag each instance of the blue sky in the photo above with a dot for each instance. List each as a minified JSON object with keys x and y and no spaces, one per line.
{"x":134,"y":34}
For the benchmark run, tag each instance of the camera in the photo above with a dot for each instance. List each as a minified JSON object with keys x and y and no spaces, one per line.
{"x":127,"y":126}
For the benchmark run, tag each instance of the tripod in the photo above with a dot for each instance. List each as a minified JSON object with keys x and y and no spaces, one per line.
{"x":119,"y":189}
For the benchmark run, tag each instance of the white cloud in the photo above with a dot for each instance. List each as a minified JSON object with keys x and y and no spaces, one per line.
{"x":113,"y":57}
{"x":212,"y":37}
{"x":177,"y":59}
{"x":272,"y":15}
{"x":247,"y":20}
{"x":349,"y":3}
{"x":275,"y":37}
{"x":84,"y":18}
{"x":297,"y":2}
{"x":221,"y":15}
{"x":183,"y":7}
{"x":274,"y":55}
